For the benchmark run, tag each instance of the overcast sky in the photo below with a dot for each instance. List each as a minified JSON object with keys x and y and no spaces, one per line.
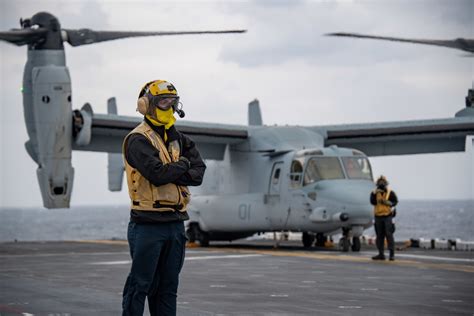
{"x":332,"y":80}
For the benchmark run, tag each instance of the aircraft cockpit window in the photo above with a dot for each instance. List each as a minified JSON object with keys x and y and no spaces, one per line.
{"x":357,"y":168}
{"x":296,"y":173}
{"x":322,"y":168}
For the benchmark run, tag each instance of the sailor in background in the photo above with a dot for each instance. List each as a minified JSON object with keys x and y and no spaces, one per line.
{"x":384,"y":201}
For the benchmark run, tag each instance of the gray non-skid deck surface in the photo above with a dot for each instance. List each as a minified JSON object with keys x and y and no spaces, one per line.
{"x":71,"y":278}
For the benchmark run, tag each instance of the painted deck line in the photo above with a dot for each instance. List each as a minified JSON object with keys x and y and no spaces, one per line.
{"x":222,"y":257}
{"x":400,"y":255}
{"x":360,"y":259}
{"x":186,"y":259}
{"x":100,"y":241}
{"x":65,"y":254}
{"x":119,"y":242}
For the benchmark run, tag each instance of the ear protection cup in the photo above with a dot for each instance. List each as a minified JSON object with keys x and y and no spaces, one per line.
{"x":142,"y":105}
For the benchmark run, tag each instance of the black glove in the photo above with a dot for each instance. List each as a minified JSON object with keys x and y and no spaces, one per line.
{"x":186,"y":160}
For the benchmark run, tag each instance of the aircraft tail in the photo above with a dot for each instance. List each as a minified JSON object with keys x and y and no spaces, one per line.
{"x":254,"y":114}
{"x":115,"y":163}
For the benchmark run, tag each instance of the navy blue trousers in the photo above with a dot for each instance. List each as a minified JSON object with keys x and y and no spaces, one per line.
{"x":384,"y":229}
{"x":157,"y":252}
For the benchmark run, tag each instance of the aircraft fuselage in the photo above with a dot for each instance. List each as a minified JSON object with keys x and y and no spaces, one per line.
{"x":306,"y":190}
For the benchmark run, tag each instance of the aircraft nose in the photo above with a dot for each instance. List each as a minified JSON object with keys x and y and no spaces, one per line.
{"x":347,"y":197}
{"x":346,"y":191}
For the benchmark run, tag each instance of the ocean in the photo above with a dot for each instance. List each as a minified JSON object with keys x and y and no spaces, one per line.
{"x":447,"y":219}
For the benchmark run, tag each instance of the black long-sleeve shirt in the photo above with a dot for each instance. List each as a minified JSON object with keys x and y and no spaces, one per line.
{"x":144,"y":157}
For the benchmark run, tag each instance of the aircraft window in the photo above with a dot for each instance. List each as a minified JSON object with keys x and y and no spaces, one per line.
{"x":322,"y":168}
{"x":296,"y":173}
{"x":357,"y":168}
{"x":276,"y":176}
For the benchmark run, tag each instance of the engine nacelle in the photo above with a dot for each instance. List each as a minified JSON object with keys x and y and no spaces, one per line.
{"x":52,"y":118}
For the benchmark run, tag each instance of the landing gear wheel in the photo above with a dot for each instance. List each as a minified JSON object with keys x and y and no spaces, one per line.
{"x":320,"y":240}
{"x":195,"y":233}
{"x":191,"y":234}
{"x":355,"y":244}
{"x":307,"y":239}
{"x":204,"y":240}
{"x":344,"y":244}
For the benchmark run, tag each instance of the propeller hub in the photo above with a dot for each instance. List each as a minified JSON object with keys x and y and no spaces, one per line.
{"x":44,"y":19}
{"x":52,"y":38}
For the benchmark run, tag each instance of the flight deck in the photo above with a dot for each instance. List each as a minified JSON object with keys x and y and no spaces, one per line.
{"x":240,"y":278}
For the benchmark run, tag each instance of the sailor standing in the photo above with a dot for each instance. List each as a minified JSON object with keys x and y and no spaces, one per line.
{"x":384,"y":201}
{"x":160,"y":163}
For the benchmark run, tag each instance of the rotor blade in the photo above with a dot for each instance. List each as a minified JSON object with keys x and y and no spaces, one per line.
{"x":23,"y":36}
{"x":87,"y":36}
{"x":459,"y":43}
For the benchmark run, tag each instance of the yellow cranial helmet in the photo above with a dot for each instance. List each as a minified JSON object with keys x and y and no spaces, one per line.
{"x":155,"y":91}
{"x":160,"y":87}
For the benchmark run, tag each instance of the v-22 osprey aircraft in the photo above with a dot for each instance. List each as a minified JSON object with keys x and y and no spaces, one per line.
{"x":310,"y":179}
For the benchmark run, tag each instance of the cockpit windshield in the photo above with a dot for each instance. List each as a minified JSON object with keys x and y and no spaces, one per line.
{"x":322,"y":168}
{"x":357,"y":168}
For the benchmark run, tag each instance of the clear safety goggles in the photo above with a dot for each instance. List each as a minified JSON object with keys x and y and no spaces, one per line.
{"x":164,"y":102}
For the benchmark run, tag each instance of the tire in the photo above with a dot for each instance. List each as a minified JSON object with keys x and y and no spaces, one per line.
{"x":191,"y":233}
{"x":355,"y":244}
{"x":320,"y":240}
{"x":194,"y":233}
{"x":204,"y":241}
{"x":344,"y":244}
{"x":307,"y":240}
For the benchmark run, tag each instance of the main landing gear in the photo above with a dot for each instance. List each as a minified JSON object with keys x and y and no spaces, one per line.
{"x":309,"y":238}
{"x":195,"y":233}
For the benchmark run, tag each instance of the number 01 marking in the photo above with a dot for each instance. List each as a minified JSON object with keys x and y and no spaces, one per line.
{"x":244,"y":212}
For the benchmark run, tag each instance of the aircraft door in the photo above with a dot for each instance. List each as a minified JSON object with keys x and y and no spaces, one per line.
{"x":277,"y":199}
{"x":275,"y":179}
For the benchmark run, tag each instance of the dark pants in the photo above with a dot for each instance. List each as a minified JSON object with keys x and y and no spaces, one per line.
{"x":384,"y":228}
{"x":157,"y":252}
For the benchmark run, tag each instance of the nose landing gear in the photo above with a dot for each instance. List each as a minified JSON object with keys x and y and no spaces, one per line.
{"x":355,"y":244}
{"x":345,"y":242}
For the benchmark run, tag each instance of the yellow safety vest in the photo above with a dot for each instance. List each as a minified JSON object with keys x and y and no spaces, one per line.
{"x":144,"y":195}
{"x":382,"y":209}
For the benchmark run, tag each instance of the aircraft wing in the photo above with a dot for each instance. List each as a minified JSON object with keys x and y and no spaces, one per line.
{"x":402,"y":138}
{"x":107,"y":132}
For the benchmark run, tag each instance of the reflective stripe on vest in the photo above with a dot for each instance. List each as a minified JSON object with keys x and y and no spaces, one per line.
{"x":382,"y":209}
{"x":143,"y":194}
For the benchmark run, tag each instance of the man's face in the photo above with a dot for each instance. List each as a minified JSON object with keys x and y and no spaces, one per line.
{"x":381,"y":184}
